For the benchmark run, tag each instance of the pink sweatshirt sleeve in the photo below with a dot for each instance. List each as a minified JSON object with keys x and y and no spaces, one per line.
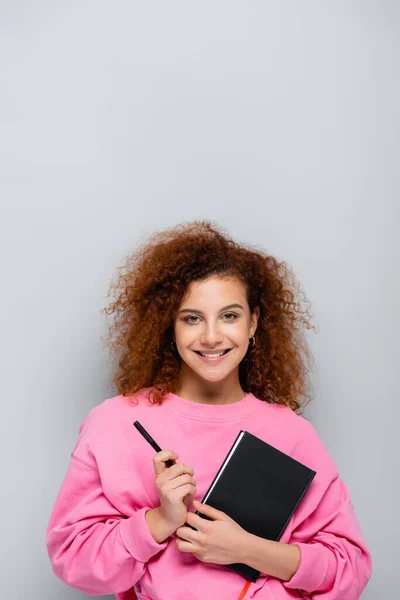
{"x":335,"y":561}
{"x":91,"y":546}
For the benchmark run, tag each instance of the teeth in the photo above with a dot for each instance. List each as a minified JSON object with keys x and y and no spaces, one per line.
{"x":212,"y":355}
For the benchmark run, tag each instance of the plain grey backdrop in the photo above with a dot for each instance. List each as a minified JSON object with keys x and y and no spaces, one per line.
{"x":279,"y":121}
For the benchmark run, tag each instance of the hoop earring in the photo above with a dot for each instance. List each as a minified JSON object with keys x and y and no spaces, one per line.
{"x":172,"y":345}
{"x":252,"y":343}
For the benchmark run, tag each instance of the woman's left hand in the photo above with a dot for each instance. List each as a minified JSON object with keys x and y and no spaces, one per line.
{"x":218,"y":541}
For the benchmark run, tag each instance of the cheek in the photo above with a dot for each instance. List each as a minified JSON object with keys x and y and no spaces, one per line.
{"x":183,"y":335}
{"x":241,"y":333}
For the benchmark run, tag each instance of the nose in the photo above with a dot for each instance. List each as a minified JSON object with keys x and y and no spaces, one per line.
{"x":211,"y":335}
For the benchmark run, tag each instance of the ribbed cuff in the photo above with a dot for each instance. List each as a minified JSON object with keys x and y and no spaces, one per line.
{"x":316,"y":571}
{"x":137,"y":538}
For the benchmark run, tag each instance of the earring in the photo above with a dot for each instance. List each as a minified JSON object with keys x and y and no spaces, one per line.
{"x":252,"y":343}
{"x":172,"y":345}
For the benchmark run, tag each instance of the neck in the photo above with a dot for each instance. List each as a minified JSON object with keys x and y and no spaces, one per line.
{"x":196,"y":389}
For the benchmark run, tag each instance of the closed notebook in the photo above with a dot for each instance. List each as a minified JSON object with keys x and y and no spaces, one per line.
{"x":259,"y":487}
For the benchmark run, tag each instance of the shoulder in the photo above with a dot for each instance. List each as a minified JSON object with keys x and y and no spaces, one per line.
{"x":283,"y":417}
{"x":118,"y":407}
{"x":111,"y":420}
{"x":312,"y":448}
{"x":300,"y":438}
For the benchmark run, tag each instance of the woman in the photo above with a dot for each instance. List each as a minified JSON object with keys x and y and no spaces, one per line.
{"x":210,"y":340}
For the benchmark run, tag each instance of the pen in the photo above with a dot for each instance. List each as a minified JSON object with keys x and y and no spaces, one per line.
{"x":152,"y":443}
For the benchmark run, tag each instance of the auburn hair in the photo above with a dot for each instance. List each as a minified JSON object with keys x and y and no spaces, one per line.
{"x":147,"y":291}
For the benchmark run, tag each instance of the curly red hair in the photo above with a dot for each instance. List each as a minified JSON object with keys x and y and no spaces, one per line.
{"x":148,"y":291}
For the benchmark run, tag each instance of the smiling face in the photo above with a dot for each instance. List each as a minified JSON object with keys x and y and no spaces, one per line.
{"x":212,"y":330}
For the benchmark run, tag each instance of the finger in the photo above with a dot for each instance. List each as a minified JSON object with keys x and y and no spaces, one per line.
{"x":179,"y":493}
{"x":183,"y":545}
{"x":187,"y":499}
{"x":176,"y":470}
{"x":192,"y":493}
{"x":161,"y":458}
{"x":193,"y":520}
{"x":209,"y":511}
{"x":188,"y":534}
{"x":182,"y":480}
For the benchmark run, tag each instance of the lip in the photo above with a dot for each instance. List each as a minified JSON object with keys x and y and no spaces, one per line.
{"x":213,"y":361}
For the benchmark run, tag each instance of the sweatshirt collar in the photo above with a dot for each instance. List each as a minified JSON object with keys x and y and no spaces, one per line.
{"x":211,"y":412}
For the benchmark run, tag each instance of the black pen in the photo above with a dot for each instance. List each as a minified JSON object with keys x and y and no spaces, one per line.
{"x":152,"y":443}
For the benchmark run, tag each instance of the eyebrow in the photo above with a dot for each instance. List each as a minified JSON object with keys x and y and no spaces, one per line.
{"x":194,"y":310}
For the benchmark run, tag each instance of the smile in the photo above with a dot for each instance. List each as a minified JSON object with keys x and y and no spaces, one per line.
{"x":212,"y":356}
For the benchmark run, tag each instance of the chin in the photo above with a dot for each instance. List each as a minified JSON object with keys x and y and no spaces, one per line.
{"x":213,"y":379}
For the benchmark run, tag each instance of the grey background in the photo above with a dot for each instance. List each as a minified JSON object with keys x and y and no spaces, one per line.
{"x":278,"y":120}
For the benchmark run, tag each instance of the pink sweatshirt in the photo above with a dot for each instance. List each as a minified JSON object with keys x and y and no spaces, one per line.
{"x":98,"y":540}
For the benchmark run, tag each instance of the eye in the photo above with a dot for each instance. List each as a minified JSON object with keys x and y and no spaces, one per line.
{"x":232,"y":315}
{"x":187,"y":319}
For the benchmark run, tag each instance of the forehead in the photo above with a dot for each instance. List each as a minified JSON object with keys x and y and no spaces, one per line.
{"x":215,"y":291}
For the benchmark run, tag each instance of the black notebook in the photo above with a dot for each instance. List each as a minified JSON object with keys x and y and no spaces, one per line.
{"x":259,"y":487}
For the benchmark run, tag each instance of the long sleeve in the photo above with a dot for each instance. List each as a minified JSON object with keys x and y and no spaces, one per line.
{"x":91,"y":546}
{"x":335,"y":562}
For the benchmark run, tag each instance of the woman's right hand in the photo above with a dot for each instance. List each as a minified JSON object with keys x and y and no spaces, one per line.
{"x":175,"y":486}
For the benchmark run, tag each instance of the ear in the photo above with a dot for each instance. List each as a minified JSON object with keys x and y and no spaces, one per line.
{"x":254,"y":320}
